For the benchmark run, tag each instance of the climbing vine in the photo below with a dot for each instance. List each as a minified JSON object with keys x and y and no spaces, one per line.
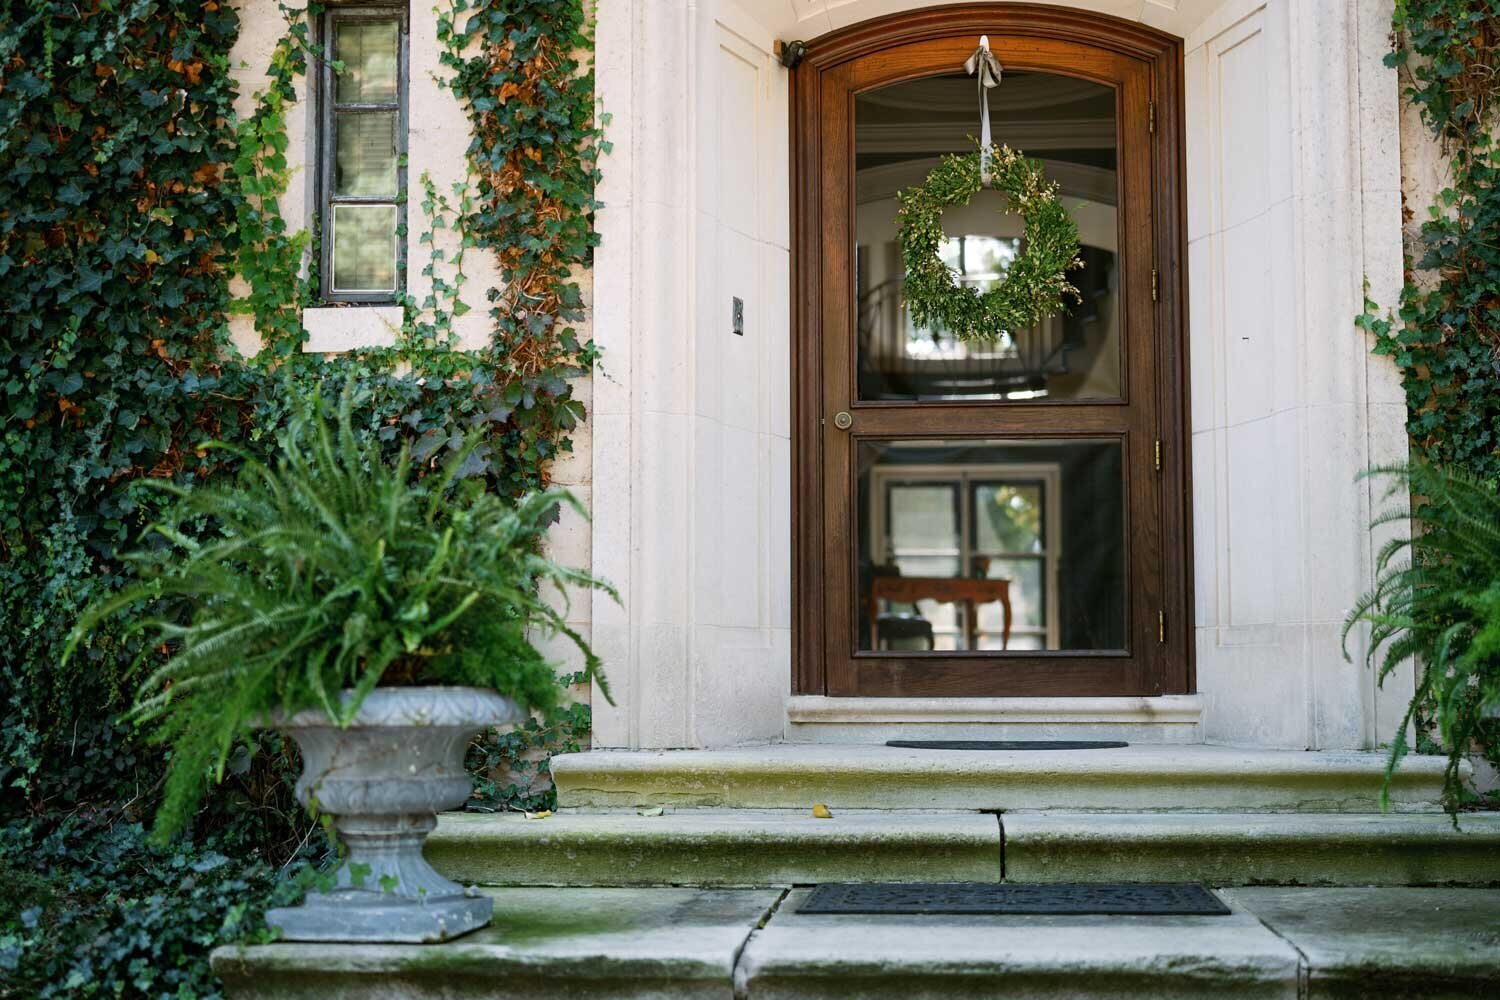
{"x":1445,"y":333}
{"x":139,"y":216}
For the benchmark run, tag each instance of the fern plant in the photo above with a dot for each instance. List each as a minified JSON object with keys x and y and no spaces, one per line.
{"x":1437,"y":600}
{"x":336,"y":570}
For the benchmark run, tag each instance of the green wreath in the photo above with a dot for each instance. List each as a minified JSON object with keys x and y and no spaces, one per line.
{"x":1037,"y":281}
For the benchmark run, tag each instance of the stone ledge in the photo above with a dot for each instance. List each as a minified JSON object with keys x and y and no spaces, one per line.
{"x":1139,"y":778}
{"x":335,"y":329}
{"x":746,"y":847}
{"x":785,"y":847}
{"x":684,"y":944}
{"x":661,"y":944}
{"x":1168,"y":719}
{"x":1266,"y":848}
{"x":1396,"y":944}
{"x":810,"y":957}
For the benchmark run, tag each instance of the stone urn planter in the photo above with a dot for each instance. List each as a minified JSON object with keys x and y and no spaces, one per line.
{"x":382,"y":782}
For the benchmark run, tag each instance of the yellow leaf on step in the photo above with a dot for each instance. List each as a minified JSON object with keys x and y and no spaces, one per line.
{"x":821,"y":811}
{"x":539,"y":815}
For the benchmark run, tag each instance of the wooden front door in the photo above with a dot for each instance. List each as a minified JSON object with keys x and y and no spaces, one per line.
{"x":1005,"y":518}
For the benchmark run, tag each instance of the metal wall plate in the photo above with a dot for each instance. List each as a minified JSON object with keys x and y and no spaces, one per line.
{"x":1060,"y":898}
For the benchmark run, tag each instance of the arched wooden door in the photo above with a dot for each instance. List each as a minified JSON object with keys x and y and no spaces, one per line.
{"x":990,"y":519}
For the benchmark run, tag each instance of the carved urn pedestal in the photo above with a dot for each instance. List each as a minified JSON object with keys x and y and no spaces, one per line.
{"x":382,"y":782}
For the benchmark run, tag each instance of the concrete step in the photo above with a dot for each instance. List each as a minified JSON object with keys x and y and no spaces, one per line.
{"x":1134,"y":779}
{"x":1253,"y":848}
{"x":713,"y":847}
{"x":781,"y":847}
{"x":753,"y":944}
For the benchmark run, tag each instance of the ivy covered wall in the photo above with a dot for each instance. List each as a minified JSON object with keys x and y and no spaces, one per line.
{"x":1444,"y":333}
{"x":154,"y":235}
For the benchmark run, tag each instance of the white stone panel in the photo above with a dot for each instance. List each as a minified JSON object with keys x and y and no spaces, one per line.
{"x":706,"y":655}
{"x":1247,"y":343}
{"x":346,"y":328}
{"x":1248,"y":542}
{"x":1207,"y":552}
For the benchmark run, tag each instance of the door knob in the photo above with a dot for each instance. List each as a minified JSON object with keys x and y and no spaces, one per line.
{"x":842,"y":420}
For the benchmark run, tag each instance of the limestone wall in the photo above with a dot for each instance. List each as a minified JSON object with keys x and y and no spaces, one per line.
{"x":1294,"y":187}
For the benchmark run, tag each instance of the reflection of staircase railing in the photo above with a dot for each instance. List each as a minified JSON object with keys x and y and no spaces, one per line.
{"x":898,"y":362}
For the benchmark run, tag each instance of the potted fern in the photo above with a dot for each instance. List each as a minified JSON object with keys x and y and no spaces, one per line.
{"x":1436,"y":599}
{"x":380,"y":616}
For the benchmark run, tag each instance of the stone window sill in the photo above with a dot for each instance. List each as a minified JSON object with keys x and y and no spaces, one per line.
{"x":333,"y":329}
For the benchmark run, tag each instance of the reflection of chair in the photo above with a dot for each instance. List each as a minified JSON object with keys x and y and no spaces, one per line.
{"x":894,"y":628}
{"x":897,"y":627}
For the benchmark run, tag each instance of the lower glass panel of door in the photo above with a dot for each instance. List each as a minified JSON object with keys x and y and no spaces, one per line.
{"x":1002,"y":547}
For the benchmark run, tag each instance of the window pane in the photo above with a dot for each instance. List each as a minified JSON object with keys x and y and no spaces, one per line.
{"x":1008,"y":517}
{"x":368,"y":50}
{"x":926,"y":565}
{"x":1026,"y":597}
{"x":923,"y":520}
{"x":365,"y":160}
{"x":364,"y":248}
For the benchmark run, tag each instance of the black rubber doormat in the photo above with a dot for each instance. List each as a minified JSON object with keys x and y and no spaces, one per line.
{"x":1007,"y":744}
{"x":1159,"y":899}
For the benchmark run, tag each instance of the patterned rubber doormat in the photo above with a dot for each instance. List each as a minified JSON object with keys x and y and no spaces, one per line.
{"x":1059,"y":898}
{"x":1007,"y":744}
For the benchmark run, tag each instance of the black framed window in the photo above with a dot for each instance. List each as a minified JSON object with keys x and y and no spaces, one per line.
{"x":362,"y":152}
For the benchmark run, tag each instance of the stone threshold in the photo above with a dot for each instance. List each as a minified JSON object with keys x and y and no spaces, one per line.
{"x":1137,"y":778}
{"x":747,"y":847}
{"x":752,"y":944}
{"x":1166,"y":719}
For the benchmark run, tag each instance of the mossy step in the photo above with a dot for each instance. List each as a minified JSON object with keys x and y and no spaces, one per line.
{"x":562,"y":944}
{"x":699,"y":847}
{"x":685,"y":944}
{"x":1253,"y":849}
{"x":1133,"y":779}
{"x":782,"y":847}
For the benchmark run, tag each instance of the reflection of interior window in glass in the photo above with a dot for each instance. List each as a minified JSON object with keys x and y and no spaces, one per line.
{"x":955,"y":534}
{"x":364,"y":247}
{"x":901,"y":132}
{"x":925,"y":538}
{"x":977,"y":262}
{"x":365,"y":154}
{"x":368,"y":52}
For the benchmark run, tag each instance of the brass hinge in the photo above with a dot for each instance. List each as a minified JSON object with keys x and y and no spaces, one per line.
{"x":1153,"y":117}
{"x":1155,"y":286}
{"x":1161,"y":626}
{"x":1158,"y":455}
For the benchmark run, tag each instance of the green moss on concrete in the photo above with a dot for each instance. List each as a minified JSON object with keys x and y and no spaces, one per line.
{"x":1387,"y":942}
{"x":1143,"y":778}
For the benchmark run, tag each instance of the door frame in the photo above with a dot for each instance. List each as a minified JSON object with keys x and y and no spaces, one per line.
{"x":1171,"y":669}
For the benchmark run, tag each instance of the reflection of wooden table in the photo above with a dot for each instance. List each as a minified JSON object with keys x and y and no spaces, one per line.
{"x":944,"y":590}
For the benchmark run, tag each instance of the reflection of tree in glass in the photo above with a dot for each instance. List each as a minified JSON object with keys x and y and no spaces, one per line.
{"x":1014,"y":514}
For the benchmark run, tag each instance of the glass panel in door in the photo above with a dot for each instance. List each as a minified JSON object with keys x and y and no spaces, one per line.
{"x":990,"y":545}
{"x":901,"y":132}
